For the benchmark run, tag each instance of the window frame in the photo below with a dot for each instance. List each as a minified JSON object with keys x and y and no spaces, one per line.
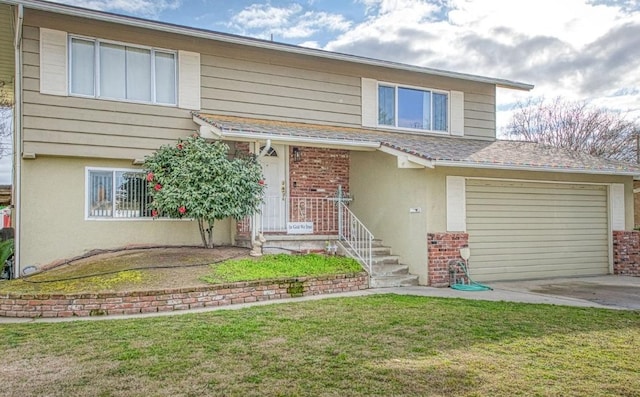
{"x":96,"y":70}
{"x":395,"y":126}
{"x":87,"y":195}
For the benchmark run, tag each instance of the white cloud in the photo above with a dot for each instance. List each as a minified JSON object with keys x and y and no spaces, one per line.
{"x":146,"y":8}
{"x":310,"y":44}
{"x":285,"y":22}
{"x":571,"y":48}
{"x":264,"y":16}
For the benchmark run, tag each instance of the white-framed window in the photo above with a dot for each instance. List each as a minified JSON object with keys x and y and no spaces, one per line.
{"x":413,"y":108}
{"x":116,"y":194}
{"x":109,"y":70}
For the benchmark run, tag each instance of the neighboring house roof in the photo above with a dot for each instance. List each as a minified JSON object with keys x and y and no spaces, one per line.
{"x":230,"y":38}
{"x":437,"y":150}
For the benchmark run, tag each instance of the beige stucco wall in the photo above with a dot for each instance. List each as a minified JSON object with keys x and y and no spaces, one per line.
{"x":53,"y":217}
{"x":384,"y":193}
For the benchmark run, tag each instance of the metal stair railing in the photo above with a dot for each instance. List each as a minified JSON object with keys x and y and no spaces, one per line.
{"x":356,"y":236}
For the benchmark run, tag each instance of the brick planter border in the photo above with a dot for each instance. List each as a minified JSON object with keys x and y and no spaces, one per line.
{"x":442,"y":248}
{"x":83,"y":305}
{"x":626,"y":253}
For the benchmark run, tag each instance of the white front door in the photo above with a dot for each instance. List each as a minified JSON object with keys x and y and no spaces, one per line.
{"x":275,"y":203}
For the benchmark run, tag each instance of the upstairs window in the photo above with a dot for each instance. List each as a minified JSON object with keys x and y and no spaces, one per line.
{"x":118,"y":194}
{"x":121,"y":71}
{"x":413,"y":108}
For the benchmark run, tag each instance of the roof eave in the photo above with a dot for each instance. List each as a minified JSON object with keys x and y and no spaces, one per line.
{"x":311,"y":141}
{"x":211,"y":131}
{"x":229,"y":38}
{"x":469,"y":164}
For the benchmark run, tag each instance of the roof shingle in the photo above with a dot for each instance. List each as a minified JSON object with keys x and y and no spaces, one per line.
{"x":440,"y":149}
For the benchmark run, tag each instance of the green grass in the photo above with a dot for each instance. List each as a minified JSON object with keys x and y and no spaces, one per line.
{"x":280,"y":266}
{"x":381,"y":345}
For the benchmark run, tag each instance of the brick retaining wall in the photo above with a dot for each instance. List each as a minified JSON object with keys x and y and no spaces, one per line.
{"x":442,"y":248}
{"x":626,"y":253}
{"x":82,"y":305}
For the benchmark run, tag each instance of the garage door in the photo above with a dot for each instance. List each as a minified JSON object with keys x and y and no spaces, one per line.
{"x":522,"y":230}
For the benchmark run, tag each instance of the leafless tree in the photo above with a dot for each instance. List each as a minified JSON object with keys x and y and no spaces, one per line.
{"x":576,"y":126}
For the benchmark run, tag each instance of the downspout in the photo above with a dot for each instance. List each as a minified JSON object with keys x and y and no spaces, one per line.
{"x":17,"y":139}
{"x":254,"y":226}
{"x":266,"y":149}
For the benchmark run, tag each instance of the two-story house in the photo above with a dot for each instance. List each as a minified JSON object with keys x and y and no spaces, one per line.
{"x":414,"y":149}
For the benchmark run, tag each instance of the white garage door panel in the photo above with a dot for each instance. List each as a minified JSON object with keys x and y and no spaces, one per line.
{"x":520,"y":230}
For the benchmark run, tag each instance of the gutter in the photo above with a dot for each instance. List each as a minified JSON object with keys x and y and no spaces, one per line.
{"x":466,"y":164}
{"x":301,"y":140}
{"x":17,"y":140}
{"x":209,"y":131}
{"x":265,"y":44}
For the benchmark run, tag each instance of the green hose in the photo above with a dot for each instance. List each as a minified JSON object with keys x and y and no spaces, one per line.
{"x":472,"y":286}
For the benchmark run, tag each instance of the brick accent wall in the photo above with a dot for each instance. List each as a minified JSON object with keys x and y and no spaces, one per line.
{"x":242,"y":148}
{"x":319,"y":172}
{"x":50,"y":305}
{"x":626,"y":253}
{"x":443,"y":247}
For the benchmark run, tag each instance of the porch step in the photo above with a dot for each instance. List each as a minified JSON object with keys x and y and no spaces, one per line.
{"x":380,"y":250}
{"x":387,"y":271}
{"x":406,"y":280}
{"x":390,"y":270}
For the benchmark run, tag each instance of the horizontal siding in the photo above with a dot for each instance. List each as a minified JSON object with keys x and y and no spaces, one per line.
{"x":110,"y":140}
{"x":480,"y":115}
{"x":235,"y":80}
{"x":246,"y":88}
{"x":73,"y":126}
{"x":534,"y":230}
{"x":78,"y":150}
{"x":7,"y":53}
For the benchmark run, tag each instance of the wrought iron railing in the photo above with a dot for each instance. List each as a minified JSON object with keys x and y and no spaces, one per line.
{"x":276,"y":212}
{"x":325,"y":215}
{"x":356,"y":236}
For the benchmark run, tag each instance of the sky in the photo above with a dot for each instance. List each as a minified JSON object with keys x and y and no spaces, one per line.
{"x":577,"y":49}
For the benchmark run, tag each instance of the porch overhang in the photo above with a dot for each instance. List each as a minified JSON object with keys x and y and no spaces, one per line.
{"x":414,"y":150}
{"x":224,"y":128}
{"x":406,"y":160}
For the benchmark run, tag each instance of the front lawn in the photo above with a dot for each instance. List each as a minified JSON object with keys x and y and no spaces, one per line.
{"x":280,"y":266}
{"x":381,"y":345}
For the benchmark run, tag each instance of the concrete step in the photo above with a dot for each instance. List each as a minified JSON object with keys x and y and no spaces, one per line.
{"x":390,"y":270}
{"x":385,"y":260}
{"x":393,"y":281}
{"x":380,"y":251}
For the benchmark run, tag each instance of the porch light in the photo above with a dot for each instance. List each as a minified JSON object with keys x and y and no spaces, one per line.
{"x":297,"y":154}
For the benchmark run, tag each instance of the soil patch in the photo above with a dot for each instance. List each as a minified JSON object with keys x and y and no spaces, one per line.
{"x":128,"y":270}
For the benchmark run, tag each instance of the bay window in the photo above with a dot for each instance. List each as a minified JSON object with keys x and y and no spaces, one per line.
{"x":121,"y":71}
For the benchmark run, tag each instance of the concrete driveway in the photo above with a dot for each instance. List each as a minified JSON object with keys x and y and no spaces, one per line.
{"x":616,"y":292}
{"x":607,"y":292}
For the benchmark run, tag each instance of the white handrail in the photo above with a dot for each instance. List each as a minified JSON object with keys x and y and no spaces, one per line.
{"x":356,"y":235}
